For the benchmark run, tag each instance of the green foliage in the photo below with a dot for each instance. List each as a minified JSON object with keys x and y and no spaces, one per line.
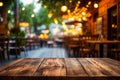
{"x":8,"y":3}
{"x":54,"y":6}
{"x":16,"y":32}
{"x":42,"y":17}
{"x":10,"y":17}
{"x":21,"y":34}
{"x":25,"y":16}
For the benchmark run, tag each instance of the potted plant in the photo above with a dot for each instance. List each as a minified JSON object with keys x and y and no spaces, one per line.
{"x":18,"y":34}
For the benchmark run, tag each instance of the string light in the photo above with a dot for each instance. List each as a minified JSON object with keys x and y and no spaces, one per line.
{"x":84,"y":18}
{"x":9,"y":11}
{"x":55,"y":21}
{"x":23,"y":8}
{"x":79,"y":13}
{"x":50,"y":15}
{"x":1,"y":4}
{"x":45,"y":6}
{"x":89,"y":3}
{"x":87,"y":6}
{"x":95,"y":5}
{"x":78,"y":2}
{"x":83,"y":13}
{"x":79,"y":19}
{"x":64,"y":8}
{"x":32,"y":15}
{"x":70,"y":1}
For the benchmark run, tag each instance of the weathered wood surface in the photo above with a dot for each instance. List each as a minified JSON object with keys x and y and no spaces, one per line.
{"x":61,"y":69}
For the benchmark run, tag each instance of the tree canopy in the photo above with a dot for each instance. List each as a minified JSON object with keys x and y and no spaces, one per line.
{"x":25,"y":15}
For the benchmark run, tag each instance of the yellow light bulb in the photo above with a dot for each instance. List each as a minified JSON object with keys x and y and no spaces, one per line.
{"x":83,"y":13}
{"x":95,"y":5}
{"x":64,"y":8}
{"x":45,"y":6}
{"x":70,"y":1}
{"x":32,"y":15}
{"x":23,"y":9}
{"x":55,"y":21}
{"x":1,"y":3}
{"x":50,"y":15}
{"x":84,"y":18}
{"x":89,"y":3}
{"x":9,"y":11}
{"x":78,"y":2}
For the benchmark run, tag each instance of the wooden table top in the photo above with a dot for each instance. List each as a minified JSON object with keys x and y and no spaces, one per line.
{"x":61,"y":69}
{"x":103,"y":41}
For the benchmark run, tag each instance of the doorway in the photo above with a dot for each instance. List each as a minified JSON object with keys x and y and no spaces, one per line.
{"x":112,"y":23}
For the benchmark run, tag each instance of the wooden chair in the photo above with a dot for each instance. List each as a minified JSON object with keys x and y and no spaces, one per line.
{"x":31,"y":43}
{"x":73,"y":46}
{"x":13,"y":47}
{"x":4,"y":46}
{"x":22,"y":45}
{"x":114,"y":52}
{"x":87,"y":50}
{"x":1,"y":55}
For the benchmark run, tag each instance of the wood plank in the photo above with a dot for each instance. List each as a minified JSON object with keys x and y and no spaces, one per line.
{"x":92,"y":70}
{"x":25,"y":67}
{"x":75,"y":71}
{"x":52,"y":67}
{"x":3,"y":67}
{"x":30,"y":68}
{"x":62,"y":69}
{"x":101,"y":69}
{"x":110,"y":68}
{"x":22,"y":71}
{"x":74,"y":68}
{"x":116,"y":63}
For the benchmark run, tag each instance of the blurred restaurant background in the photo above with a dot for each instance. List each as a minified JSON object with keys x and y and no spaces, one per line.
{"x":51,"y":23}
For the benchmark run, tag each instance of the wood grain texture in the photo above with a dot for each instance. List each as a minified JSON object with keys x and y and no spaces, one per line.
{"x":52,"y":67}
{"x":74,"y":68}
{"x":91,"y":69}
{"x":61,"y":69}
{"x":10,"y":64}
{"x":24,"y":68}
{"x":111,"y":69}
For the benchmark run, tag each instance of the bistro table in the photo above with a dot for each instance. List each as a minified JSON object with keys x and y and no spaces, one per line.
{"x":101,"y":43}
{"x":61,"y":69}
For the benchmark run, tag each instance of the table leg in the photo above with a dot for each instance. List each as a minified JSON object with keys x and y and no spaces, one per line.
{"x":101,"y":51}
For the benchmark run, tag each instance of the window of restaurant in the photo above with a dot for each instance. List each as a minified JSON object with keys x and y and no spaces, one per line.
{"x":112,"y":23}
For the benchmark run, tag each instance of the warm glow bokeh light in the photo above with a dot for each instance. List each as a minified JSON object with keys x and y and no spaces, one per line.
{"x":50,"y":15}
{"x":24,"y":24}
{"x":9,"y":11}
{"x":1,"y":4}
{"x":83,"y":13}
{"x":89,"y":3}
{"x":55,"y":21}
{"x":64,"y":8}
{"x":23,"y":8}
{"x":95,"y":5}
{"x":32,"y":15}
